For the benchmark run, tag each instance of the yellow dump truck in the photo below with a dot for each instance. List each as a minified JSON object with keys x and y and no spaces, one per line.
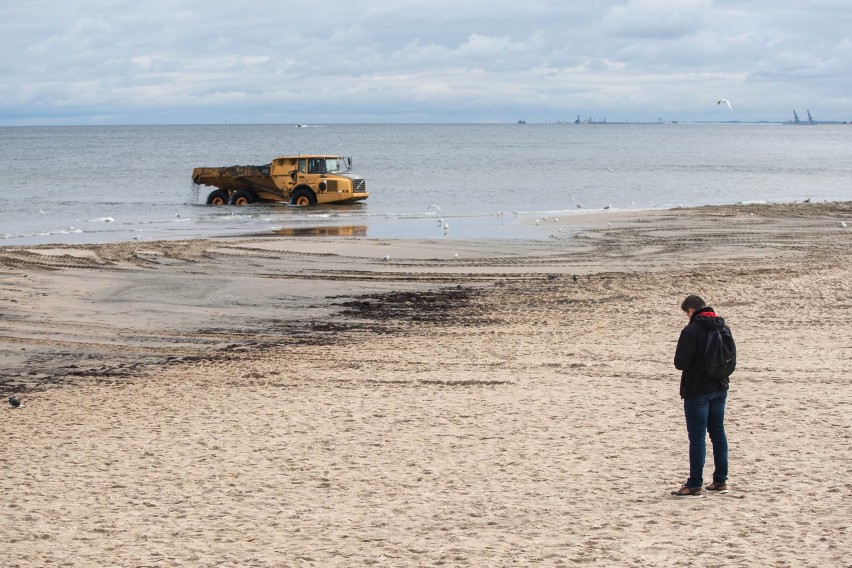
{"x":297,"y":180}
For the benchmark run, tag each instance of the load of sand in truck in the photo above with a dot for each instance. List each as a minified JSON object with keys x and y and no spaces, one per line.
{"x":297,"y":180}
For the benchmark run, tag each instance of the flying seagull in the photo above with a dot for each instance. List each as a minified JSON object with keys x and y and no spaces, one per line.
{"x":726,"y":101}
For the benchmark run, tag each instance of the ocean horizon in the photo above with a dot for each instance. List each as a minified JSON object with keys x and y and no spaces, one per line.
{"x":86,"y":184}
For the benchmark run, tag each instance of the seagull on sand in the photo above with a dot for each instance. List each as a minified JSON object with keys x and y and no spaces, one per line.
{"x":726,"y":101}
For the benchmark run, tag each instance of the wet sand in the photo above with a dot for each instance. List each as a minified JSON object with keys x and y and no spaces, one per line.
{"x":351,"y":401}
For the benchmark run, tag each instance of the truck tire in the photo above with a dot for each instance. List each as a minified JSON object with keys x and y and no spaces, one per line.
{"x":241,"y":197}
{"x":303,"y":197}
{"x":217,"y":197}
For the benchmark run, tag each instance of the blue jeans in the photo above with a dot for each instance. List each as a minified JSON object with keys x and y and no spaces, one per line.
{"x":706,"y":414}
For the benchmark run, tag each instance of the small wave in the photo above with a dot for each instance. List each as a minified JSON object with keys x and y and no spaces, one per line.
{"x":161,"y":221}
{"x":231,"y":217}
{"x":101,"y":220}
{"x":68,"y":231}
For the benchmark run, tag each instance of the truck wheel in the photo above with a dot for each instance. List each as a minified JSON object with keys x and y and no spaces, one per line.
{"x":217,"y":197}
{"x":303,"y":197}
{"x":241,"y":197}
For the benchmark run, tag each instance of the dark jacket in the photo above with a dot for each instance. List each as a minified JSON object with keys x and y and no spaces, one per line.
{"x":689,"y":355}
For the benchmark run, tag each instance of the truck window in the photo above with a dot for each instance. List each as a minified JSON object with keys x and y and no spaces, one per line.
{"x":316,"y":166}
{"x":303,"y":166}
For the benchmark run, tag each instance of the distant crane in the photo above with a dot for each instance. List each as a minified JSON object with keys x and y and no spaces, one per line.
{"x":797,"y":120}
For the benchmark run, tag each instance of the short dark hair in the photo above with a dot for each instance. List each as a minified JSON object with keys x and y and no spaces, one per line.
{"x":694,"y":302}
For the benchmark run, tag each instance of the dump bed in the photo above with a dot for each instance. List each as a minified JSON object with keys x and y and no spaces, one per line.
{"x":255,"y":178}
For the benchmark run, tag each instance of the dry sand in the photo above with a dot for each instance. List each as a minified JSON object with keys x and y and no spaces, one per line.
{"x":303,"y":402}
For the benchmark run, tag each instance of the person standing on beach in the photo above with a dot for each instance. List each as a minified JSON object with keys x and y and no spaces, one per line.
{"x":703,"y":399}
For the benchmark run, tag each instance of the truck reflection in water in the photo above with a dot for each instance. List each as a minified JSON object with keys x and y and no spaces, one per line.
{"x":330,"y":231}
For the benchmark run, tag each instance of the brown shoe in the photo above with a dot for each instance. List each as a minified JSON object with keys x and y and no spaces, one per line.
{"x":717,"y":487}
{"x":685,"y":491}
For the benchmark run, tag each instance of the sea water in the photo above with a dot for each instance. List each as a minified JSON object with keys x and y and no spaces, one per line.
{"x":88,"y":184}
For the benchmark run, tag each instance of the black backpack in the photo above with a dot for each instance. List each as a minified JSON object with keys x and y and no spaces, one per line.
{"x":720,"y":354}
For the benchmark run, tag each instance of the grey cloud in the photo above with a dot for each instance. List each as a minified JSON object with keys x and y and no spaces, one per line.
{"x":657,"y":19}
{"x":410,"y":60}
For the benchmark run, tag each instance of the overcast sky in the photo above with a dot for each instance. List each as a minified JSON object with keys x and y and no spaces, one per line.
{"x":215,"y":61}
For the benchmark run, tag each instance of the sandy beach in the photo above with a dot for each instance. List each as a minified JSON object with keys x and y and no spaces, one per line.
{"x":310,"y":401}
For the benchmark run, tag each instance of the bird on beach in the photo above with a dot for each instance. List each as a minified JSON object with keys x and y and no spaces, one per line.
{"x":726,"y":101}
{"x":14,"y":402}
